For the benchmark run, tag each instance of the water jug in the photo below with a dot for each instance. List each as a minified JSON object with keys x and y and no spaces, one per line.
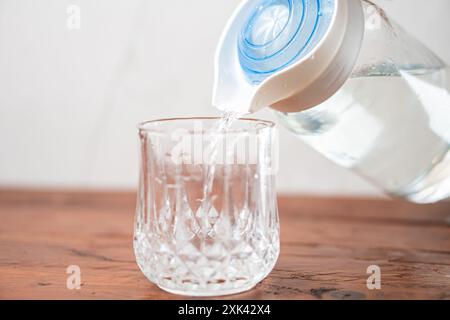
{"x":348,"y":81}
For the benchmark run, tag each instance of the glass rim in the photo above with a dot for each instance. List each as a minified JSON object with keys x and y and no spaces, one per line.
{"x":153,"y":126}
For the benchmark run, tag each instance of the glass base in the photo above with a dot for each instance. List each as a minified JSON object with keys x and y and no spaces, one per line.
{"x":208,"y":293}
{"x":432,"y":187}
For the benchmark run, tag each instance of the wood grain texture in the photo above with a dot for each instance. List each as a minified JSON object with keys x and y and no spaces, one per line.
{"x":327,"y":245}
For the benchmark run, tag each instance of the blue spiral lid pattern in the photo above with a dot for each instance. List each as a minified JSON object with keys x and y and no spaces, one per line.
{"x":279,"y":33}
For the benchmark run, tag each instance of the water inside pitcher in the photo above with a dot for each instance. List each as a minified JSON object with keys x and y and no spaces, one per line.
{"x":387,"y":117}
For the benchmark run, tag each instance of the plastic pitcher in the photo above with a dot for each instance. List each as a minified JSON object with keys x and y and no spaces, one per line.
{"x":348,"y":81}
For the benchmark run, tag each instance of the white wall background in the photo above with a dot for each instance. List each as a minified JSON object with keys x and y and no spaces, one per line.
{"x":70,"y":100}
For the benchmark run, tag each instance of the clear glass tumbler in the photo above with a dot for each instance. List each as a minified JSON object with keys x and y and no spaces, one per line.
{"x":207,"y":217}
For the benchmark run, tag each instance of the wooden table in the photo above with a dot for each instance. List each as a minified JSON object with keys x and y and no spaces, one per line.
{"x":327,"y":246}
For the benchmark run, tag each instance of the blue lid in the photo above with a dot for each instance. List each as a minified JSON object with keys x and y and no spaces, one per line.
{"x":278,"y":33}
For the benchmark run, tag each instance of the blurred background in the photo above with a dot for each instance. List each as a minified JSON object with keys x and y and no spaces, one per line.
{"x":71,"y":94}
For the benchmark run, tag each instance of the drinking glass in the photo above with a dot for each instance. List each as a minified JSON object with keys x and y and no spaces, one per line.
{"x":207,"y":217}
